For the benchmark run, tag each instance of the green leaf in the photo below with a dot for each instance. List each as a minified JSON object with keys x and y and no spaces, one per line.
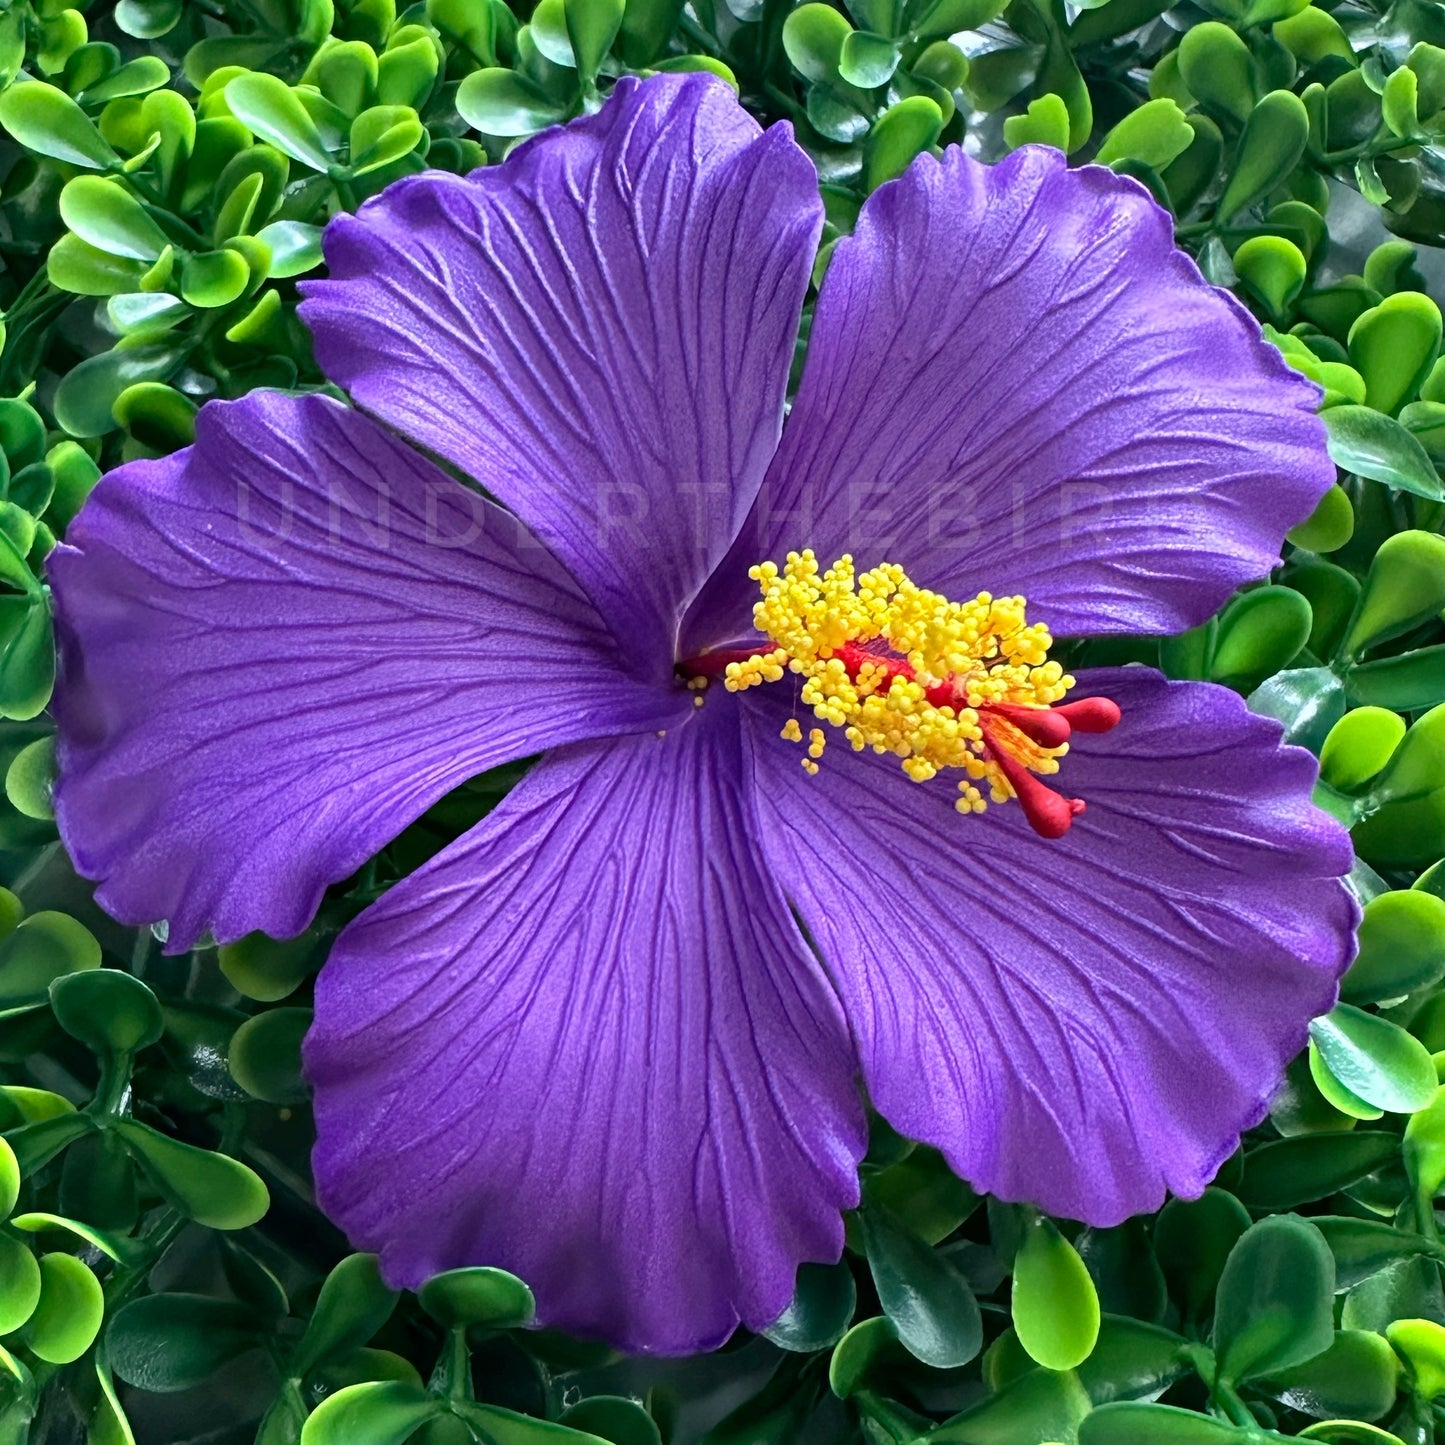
{"x":1273,"y":268}
{"x":147,"y":19}
{"x":615,"y":1419}
{"x":1370,"y":444}
{"x":921,"y":1191}
{"x":1402,"y":947}
{"x":354,"y":1303}
{"x":36,"y":1144}
{"x":170,"y":1342}
{"x":265,"y":1055}
{"x":547,"y":30}
{"x":274,"y":113}
{"x":1043,"y":1405}
{"x":9,"y":1182}
{"x":922,"y":1292}
{"x":478,"y":1296}
{"x":156,"y":415}
{"x":1393,"y":346}
{"x":1424,"y":1148}
{"x":1418,"y":764}
{"x":1358,"y":747}
{"x":108,"y":1424}
{"x":942,"y":18}
{"x":467,"y":24}
{"x":1358,"y":1375}
{"x":19,"y":1283}
{"x":1132,"y":1360}
{"x":68,"y":1317}
{"x":345,"y":72}
{"x":1129,"y":1423}
{"x":1309,"y":701}
{"x":1405,"y":586}
{"x":1271,"y":146}
{"x":381,"y":136}
{"x":406,"y":74}
{"x":47,"y":121}
{"x":898,"y":136}
{"x":1421,"y":1344}
{"x":1289,"y":1172}
{"x":136,"y":77}
{"x":44,"y":947}
{"x":1154,"y":134}
{"x":1397,"y":103}
{"x":85,"y":399}
{"x":212,"y":1189}
{"x":858,"y":1354}
{"x":214,"y":278}
{"x":1275,"y":1304}
{"x":1055,"y":1307}
{"x":113,"y":1246}
{"x":30,"y":778}
{"x":1259,"y":632}
{"x":267,"y":969}
{"x":85,"y":270}
{"x":497,"y":102}
{"x":1335,"y":1093}
{"x":1046,"y":122}
{"x":592,"y":26}
{"x":110,"y":1012}
{"x":26,"y":658}
{"x":1329,"y":526}
{"x":104,"y":214}
{"x":867,"y":60}
{"x":813,"y":39}
{"x":1363,"y":1247}
{"x":75,"y":474}
{"x":503,"y":1427}
{"x":1216,"y":66}
{"x":295,"y":247}
{"x":1376,"y":1060}
{"x":1407,"y":834}
{"x":821,"y":1309}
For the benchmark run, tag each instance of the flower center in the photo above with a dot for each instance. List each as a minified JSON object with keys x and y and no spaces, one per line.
{"x":899,"y":669}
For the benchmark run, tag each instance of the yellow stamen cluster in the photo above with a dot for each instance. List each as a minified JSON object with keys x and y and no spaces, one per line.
{"x":983,"y":652}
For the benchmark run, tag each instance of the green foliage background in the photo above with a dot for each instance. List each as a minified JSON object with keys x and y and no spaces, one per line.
{"x":165,"y":171}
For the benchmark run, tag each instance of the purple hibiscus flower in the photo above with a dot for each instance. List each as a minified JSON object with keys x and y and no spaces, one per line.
{"x":612,"y":1038}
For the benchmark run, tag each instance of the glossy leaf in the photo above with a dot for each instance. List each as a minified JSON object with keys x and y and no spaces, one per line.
{"x":1370,"y":444}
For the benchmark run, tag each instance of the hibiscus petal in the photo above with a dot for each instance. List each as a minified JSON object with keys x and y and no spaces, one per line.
{"x":1017,"y":383}
{"x":588,"y":1044}
{"x":281,"y":645}
{"x":1082,"y":1023}
{"x":599,"y":330}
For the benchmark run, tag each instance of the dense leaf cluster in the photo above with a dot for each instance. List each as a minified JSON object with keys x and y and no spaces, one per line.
{"x":166,"y":170}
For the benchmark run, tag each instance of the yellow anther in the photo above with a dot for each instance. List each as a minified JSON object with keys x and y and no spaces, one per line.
{"x":904,"y":670}
{"x":810,"y":767}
